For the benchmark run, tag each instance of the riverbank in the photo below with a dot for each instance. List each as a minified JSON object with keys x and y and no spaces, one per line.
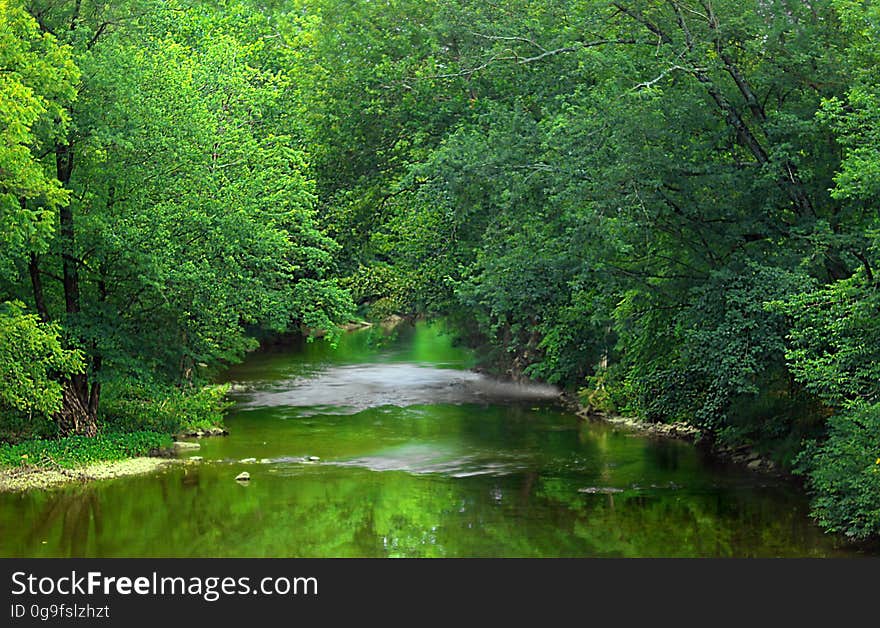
{"x":679,"y":431}
{"x":42,"y":471}
{"x":17,"y":479}
{"x":46,"y":463}
{"x":740,"y":455}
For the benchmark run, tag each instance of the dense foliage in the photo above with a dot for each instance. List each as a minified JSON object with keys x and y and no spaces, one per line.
{"x":156,"y":210}
{"x":669,"y":205}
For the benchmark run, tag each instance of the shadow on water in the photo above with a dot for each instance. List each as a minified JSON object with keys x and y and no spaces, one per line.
{"x":389,"y":446}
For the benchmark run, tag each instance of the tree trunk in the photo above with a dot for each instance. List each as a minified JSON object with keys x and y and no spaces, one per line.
{"x":79,"y":408}
{"x":95,"y":390}
{"x":74,"y":417}
{"x":69,"y":264}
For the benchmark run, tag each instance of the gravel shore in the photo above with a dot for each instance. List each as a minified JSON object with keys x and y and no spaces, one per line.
{"x":27,"y":478}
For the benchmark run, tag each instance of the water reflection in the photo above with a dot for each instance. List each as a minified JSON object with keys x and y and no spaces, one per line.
{"x":72,"y":518}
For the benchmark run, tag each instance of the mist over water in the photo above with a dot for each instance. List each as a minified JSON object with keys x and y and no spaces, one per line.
{"x":354,"y":387}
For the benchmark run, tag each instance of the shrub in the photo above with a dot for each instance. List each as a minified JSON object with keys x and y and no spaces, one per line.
{"x":32,"y":361}
{"x":17,"y":426}
{"x":73,"y":451}
{"x":136,"y":407}
{"x":843,"y":472}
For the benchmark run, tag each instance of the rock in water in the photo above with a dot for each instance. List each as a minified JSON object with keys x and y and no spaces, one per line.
{"x":600,"y":490}
{"x":244,"y":476}
{"x":312,"y":458}
{"x":248,"y":460}
{"x":182,"y":446}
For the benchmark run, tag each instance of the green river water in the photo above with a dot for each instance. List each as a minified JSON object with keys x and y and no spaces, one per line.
{"x":418,"y":457}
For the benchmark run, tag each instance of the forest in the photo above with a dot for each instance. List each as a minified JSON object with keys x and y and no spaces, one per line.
{"x":668,"y":208}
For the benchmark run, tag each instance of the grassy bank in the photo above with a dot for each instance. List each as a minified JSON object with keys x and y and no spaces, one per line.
{"x":137,"y":423}
{"x":47,"y":463}
{"x":77,"y":451}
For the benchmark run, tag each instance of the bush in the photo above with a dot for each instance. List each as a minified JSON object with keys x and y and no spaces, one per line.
{"x":16,"y":427}
{"x":137,"y":407}
{"x":79,"y":450}
{"x":605,"y":391}
{"x":843,"y":473}
{"x":32,"y":363}
{"x":671,"y":394}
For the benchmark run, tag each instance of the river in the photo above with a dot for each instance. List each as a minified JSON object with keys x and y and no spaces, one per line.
{"x":389,"y":445}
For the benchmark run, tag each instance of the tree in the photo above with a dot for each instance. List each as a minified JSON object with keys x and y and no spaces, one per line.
{"x":37,"y":79}
{"x":185,"y":209}
{"x":834,"y":345}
